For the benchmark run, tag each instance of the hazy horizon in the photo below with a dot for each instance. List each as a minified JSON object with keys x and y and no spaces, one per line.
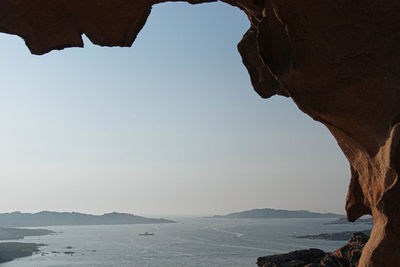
{"x":171,"y":125}
{"x":159,"y":215}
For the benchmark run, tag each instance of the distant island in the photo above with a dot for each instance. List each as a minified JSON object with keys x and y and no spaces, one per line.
{"x":49,"y":218}
{"x":276,"y":214}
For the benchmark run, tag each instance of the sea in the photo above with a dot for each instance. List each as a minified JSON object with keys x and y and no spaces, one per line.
{"x":193,"y":242}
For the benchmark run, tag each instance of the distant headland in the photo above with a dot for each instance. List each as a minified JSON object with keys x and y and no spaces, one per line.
{"x":12,"y":250}
{"x":276,"y":214}
{"x":343,"y":220}
{"x":50,"y":218}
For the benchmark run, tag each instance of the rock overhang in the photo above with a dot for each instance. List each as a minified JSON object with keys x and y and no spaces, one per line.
{"x":337,"y":60}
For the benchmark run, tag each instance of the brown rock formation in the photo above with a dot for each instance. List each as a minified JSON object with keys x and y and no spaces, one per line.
{"x":298,"y":258}
{"x":338,"y":60}
{"x":346,"y":256}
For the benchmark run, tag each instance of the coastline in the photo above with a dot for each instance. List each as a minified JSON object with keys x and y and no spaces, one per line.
{"x":13,"y":250}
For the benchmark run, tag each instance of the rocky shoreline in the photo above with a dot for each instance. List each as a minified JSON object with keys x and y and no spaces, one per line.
{"x":335,"y":236}
{"x":346,"y":256}
{"x":343,"y":220}
{"x":7,"y":233}
{"x":13,"y":250}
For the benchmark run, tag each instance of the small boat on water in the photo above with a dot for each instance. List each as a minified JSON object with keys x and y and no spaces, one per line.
{"x":146,"y":234}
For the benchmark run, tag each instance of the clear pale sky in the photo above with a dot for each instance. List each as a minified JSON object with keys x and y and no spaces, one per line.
{"x":168,"y":126}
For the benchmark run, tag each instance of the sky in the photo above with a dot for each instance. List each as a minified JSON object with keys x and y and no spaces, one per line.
{"x":170,"y":126}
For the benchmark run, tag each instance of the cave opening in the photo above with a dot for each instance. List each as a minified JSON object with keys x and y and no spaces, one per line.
{"x":337,"y":61}
{"x":83,"y":121}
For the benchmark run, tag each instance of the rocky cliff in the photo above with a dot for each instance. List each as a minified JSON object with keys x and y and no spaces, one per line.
{"x":346,"y":256}
{"x":338,"y":60}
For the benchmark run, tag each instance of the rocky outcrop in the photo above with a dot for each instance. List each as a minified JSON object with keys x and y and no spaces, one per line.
{"x":338,"y":60}
{"x":292,"y":259}
{"x":346,"y":256}
{"x":298,"y":258}
{"x":13,"y":250}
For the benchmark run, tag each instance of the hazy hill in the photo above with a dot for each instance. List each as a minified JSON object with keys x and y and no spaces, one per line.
{"x":48,"y":218}
{"x":273,"y":213}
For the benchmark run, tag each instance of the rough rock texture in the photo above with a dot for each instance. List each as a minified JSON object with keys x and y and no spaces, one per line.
{"x":337,"y":59}
{"x":298,"y":258}
{"x":346,"y":256}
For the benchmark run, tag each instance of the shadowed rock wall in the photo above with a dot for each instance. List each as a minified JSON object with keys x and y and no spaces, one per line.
{"x":338,"y":60}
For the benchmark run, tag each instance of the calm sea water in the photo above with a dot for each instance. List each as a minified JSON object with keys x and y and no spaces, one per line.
{"x":190,"y":242}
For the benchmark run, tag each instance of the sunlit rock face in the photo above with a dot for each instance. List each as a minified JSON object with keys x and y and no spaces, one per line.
{"x":338,"y":60}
